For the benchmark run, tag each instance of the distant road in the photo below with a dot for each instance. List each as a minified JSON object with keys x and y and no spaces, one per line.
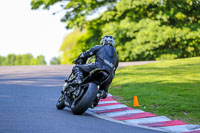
{"x":123,"y":64}
{"x":28,"y":95}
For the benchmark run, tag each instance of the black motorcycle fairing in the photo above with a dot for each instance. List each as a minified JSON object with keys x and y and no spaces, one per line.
{"x":75,"y":93}
{"x":98,"y":76}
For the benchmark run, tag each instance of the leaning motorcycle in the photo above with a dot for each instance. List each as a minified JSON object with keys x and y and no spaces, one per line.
{"x":85,"y":95}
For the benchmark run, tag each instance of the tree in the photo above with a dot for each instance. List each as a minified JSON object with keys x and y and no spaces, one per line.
{"x":77,"y":11}
{"x":26,"y":59}
{"x":70,"y":47}
{"x":55,"y":61}
{"x":18,"y":60}
{"x":148,"y":30}
{"x":2,"y":60}
{"x":10,"y":59}
{"x":143,"y":29}
{"x":41,"y":60}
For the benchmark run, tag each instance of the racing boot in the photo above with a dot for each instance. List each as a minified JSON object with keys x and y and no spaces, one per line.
{"x":96,"y":102}
{"x":103,"y":94}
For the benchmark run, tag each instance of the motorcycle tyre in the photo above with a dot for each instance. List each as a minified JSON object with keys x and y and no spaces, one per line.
{"x":86,"y":100}
{"x":60,"y":103}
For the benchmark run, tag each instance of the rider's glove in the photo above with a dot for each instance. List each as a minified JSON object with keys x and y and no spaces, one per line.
{"x":77,"y":61}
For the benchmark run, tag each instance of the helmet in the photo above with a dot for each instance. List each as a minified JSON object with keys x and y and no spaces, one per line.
{"x":108,"y":40}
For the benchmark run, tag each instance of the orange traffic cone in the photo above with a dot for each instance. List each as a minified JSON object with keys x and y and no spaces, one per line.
{"x":135,"y":101}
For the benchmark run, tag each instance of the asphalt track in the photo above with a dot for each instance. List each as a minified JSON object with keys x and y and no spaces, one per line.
{"x":28,"y":95}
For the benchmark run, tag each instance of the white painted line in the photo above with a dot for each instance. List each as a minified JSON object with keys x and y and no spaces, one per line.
{"x":125,"y":112}
{"x":109,"y":107}
{"x":105,"y":102}
{"x":148,"y":120}
{"x":181,"y":128}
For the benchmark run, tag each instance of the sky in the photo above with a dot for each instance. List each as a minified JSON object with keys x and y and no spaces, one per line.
{"x":23,"y":30}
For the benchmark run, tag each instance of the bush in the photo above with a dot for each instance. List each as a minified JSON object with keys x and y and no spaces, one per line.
{"x":167,"y":57}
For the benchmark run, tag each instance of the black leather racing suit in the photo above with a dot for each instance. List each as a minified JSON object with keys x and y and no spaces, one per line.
{"x":105,"y":57}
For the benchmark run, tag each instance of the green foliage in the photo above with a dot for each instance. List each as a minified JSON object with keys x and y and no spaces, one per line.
{"x":70,"y":48}
{"x":167,"y":57}
{"x":40,"y":60}
{"x":77,"y":10}
{"x":143,"y":29}
{"x":2,"y":61}
{"x":55,"y":61}
{"x":149,"y":40}
{"x":26,"y":59}
{"x":148,"y":30}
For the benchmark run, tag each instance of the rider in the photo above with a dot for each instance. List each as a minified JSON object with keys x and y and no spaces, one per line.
{"x":105,"y":57}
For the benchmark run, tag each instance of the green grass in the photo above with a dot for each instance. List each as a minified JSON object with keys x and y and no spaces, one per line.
{"x":169,"y":88}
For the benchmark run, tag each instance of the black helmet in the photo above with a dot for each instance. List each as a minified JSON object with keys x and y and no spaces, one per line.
{"x":108,"y":40}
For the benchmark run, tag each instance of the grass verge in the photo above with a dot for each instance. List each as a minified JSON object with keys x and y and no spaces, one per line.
{"x":169,"y":88}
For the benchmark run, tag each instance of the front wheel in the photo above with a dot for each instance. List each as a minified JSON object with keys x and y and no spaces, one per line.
{"x":61,"y":102}
{"x":86,"y":100}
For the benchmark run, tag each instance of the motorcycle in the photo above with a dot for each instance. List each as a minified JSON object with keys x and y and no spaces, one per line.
{"x":85,"y":95}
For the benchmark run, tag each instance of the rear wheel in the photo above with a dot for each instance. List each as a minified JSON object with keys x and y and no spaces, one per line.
{"x":61,"y":102}
{"x":86,"y":100}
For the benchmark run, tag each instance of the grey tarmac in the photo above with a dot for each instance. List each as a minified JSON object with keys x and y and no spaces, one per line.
{"x":28,"y":95}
